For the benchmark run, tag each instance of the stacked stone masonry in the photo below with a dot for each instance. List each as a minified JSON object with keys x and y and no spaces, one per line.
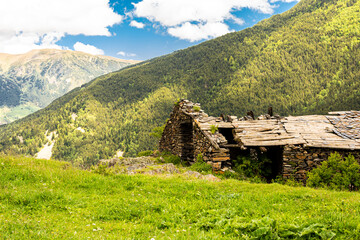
{"x":298,"y":160}
{"x":303,"y":142}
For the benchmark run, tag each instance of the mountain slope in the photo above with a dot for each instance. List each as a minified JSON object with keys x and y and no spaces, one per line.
{"x":304,"y":61}
{"x":38,"y":77}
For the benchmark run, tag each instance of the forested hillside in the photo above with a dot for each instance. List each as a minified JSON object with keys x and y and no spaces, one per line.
{"x":304,"y":61}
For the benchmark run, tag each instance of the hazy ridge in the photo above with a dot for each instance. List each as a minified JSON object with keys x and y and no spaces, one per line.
{"x":31,"y":81}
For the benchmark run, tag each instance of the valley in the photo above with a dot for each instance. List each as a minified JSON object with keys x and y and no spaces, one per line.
{"x":31,"y":81}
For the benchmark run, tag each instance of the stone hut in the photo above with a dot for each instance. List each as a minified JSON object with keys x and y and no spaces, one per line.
{"x":294,"y":144}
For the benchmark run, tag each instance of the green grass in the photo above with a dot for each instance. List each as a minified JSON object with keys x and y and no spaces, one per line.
{"x":8,"y":115}
{"x":42,"y":199}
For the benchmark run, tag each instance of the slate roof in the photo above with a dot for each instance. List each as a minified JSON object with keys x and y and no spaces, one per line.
{"x":337,"y":130}
{"x":347,"y":124}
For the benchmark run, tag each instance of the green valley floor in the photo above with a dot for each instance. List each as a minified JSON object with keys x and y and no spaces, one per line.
{"x":44,"y":199}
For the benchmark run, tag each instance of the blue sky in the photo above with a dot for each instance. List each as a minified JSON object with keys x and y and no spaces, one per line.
{"x":135,"y":29}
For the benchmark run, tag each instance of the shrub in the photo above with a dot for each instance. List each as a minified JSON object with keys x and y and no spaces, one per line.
{"x":102,"y":169}
{"x":169,"y":158}
{"x":145,"y":153}
{"x":336,"y":173}
{"x":213,"y":129}
{"x":201,"y":166}
{"x":177,"y":102}
{"x":196,"y":108}
{"x":287,"y":181}
{"x":158,"y":131}
{"x":253,"y":169}
{"x":172,"y":159}
{"x":230,"y":174}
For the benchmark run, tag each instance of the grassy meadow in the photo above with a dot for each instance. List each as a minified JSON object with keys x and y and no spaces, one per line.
{"x":8,"y":115}
{"x":42,"y":199}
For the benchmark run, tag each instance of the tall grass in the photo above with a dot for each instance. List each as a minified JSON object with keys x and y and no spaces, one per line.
{"x":51,"y":200}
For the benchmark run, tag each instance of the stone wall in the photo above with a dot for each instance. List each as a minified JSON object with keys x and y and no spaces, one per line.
{"x":298,"y":160}
{"x":172,"y":139}
{"x":201,"y":144}
{"x":183,"y":137}
{"x":218,"y":158}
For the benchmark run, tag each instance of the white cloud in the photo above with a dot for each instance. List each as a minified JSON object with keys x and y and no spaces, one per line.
{"x":87,"y":48}
{"x":20,"y":43}
{"x":198,"y":19}
{"x":197,"y":32}
{"x":238,"y":21}
{"x":175,"y":12}
{"x":32,"y":24}
{"x":124,"y":54}
{"x":136,"y":24}
{"x":287,"y":1}
{"x":121,"y":53}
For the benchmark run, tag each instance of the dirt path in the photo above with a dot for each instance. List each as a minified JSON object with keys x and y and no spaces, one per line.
{"x":46,"y":151}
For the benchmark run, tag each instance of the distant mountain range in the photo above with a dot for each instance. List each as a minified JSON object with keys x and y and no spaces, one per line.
{"x":304,"y":61}
{"x":31,"y":81}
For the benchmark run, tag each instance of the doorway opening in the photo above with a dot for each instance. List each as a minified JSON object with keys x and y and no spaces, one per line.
{"x":276,"y":156}
{"x":271,"y":162}
{"x":228,"y":134}
{"x":258,"y":161}
{"x":187,"y":150}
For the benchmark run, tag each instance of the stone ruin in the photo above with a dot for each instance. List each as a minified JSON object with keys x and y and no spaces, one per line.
{"x":294,"y":144}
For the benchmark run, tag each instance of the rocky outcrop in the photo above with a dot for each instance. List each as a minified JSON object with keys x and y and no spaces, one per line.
{"x":149,"y":166}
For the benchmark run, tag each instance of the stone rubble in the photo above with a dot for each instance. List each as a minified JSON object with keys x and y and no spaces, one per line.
{"x":148,"y":166}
